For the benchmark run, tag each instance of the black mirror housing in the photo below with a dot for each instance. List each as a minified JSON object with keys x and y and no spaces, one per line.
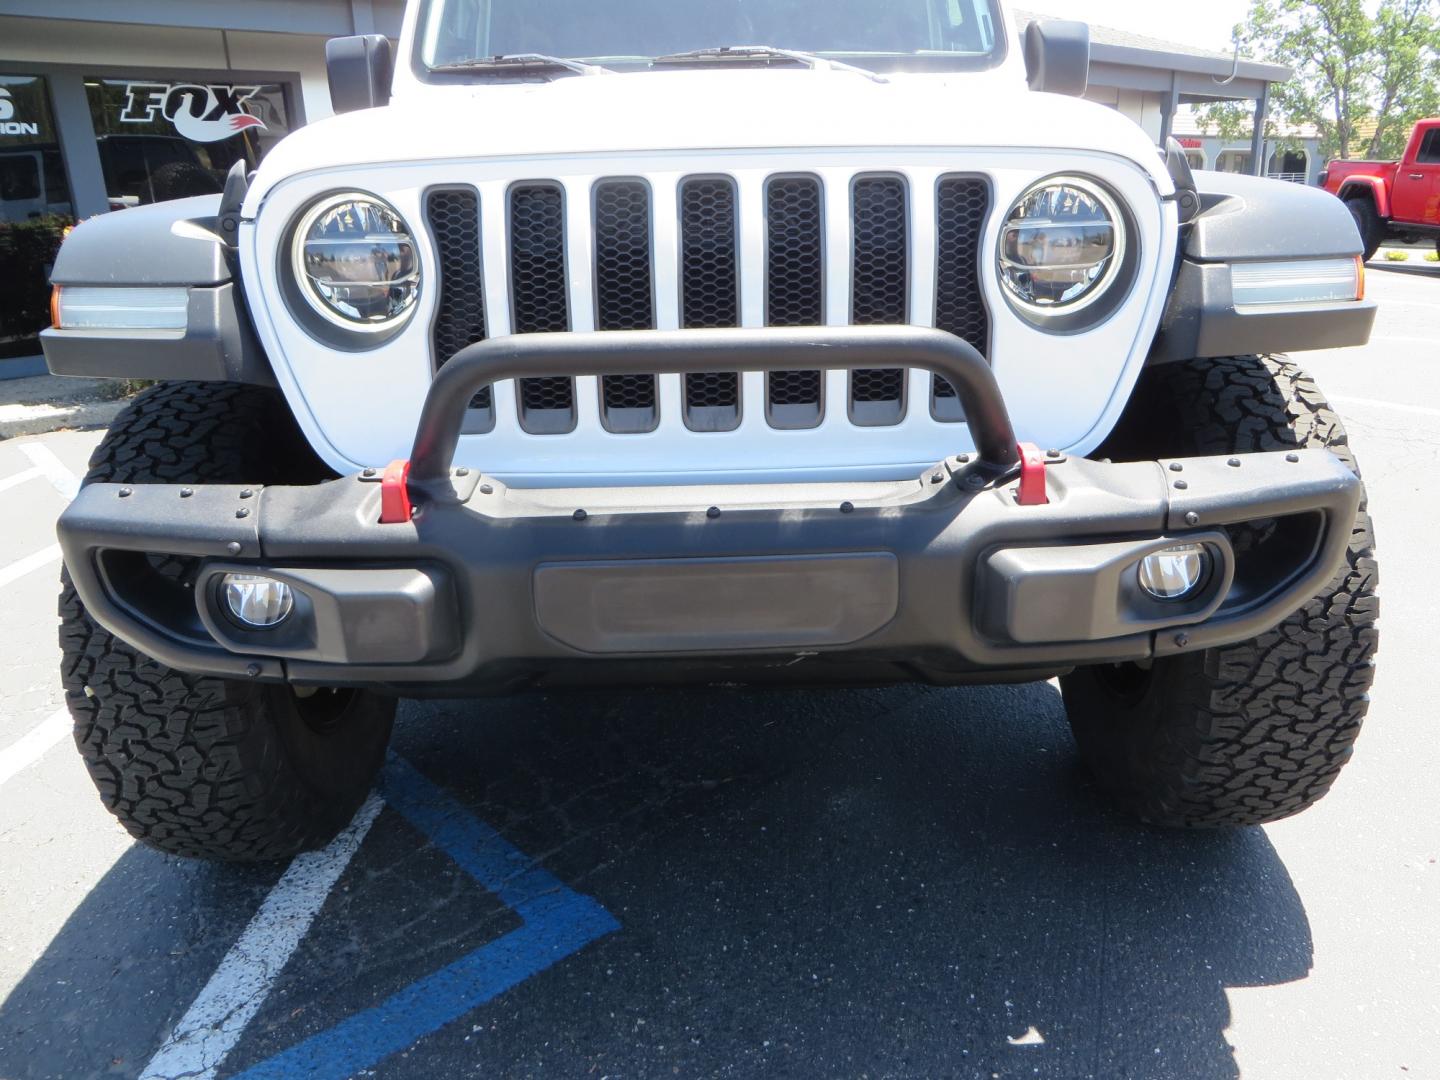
{"x":360,"y":70}
{"x":1057,"y":56}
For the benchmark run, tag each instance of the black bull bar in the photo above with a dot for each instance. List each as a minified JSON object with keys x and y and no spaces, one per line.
{"x":1004,"y":563}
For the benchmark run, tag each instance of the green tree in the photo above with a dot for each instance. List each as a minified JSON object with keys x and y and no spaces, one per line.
{"x":1360,"y":68}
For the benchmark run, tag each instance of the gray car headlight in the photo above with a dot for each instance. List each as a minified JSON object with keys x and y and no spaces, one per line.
{"x":355,"y":263}
{"x":1061,"y":246}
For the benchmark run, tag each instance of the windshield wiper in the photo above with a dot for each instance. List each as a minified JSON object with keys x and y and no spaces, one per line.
{"x":510,"y":62}
{"x":741,"y":53}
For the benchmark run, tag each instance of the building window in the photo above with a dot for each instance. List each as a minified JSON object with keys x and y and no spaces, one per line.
{"x":168,"y":138}
{"x":1234,"y":161}
{"x":1196,"y":159}
{"x":35,"y":209}
{"x":1292,"y":165}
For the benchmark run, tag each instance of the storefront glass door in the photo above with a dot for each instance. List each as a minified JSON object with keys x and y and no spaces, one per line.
{"x":165,"y":139}
{"x":35,"y":209}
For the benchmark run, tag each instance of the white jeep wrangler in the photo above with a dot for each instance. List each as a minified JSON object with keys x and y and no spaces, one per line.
{"x":780,"y":342}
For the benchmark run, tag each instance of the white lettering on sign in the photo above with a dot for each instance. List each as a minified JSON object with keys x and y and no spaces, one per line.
{"x":8,"y":124}
{"x":199,"y":113}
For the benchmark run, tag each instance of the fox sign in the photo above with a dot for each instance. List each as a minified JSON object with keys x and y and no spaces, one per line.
{"x":199,"y":113}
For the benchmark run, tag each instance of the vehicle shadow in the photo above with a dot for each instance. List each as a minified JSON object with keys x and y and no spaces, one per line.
{"x":1423,"y":270}
{"x":902,"y":882}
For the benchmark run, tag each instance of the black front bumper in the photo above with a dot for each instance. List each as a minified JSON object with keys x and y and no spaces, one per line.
{"x":948,"y":577}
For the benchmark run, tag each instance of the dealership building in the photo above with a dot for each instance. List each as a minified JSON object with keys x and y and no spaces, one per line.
{"x":110,"y":105}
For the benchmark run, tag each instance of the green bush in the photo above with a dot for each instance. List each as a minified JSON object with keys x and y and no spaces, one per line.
{"x":1398,"y":256}
{"x":1434,"y":256}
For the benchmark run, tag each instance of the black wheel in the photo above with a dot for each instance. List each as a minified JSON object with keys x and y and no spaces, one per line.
{"x":1257,"y":731}
{"x":201,"y":766}
{"x":1370,"y":224}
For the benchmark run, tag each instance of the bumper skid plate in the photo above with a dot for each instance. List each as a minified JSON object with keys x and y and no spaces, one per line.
{"x":1003,"y":563}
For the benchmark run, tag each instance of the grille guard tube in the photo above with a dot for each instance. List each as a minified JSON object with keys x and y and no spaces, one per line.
{"x":654,"y":352}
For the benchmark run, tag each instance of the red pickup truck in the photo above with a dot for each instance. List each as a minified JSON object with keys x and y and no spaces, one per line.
{"x":1393,"y":198}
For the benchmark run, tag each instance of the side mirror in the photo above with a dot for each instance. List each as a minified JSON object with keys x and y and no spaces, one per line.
{"x":1057,"y":57}
{"x":360,"y":70}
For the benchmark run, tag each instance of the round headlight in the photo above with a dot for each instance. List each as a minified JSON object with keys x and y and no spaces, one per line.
{"x":1061,"y":246}
{"x":355,"y":263}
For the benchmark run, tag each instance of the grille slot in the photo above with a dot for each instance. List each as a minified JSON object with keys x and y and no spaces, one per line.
{"x":794,"y":290}
{"x":454,"y":216}
{"x":961,"y":206}
{"x":879,"y":290}
{"x":539,"y":299}
{"x":624,"y":295}
{"x":709,"y":294}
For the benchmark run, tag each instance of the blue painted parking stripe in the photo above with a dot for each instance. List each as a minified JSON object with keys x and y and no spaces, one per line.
{"x":557,"y":923}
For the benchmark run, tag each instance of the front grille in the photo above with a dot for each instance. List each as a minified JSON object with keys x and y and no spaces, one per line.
{"x":794,"y":289}
{"x":962,"y":203}
{"x":879,"y":290}
{"x":623,"y":295}
{"x":454,"y":216}
{"x":627,"y":255}
{"x":539,"y":298}
{"x":709,"y":293}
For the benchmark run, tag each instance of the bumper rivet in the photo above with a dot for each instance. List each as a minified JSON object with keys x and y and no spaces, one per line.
{"x":1182,"y":640}
{"x":1192,"y":518}
{"x":847,"y":507}
{"x":1234,"y":463}
{"x":247,"y":494}
{"x":1052,"y":453}
{"x":185,"y":493}
{"x":1292,"y":458}
{"x":253,"y":670}
{"x":487,"y":489}
{"x":1181,"y":484}
{"x":462,"y":471}
{"x":125,"y":493}
{"x":243,"y":512}
{"x":368,"y":474}
{"x":935,"y":478}
{"x":713,"y":512}
{"x":975,"y":481}
{"x":1175,"y":466}
{"x":580,"y":515}
{"x":963,"y":459}
{"x":234,"y":547}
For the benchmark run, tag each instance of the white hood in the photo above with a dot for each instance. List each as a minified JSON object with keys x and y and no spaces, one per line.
{"x":707,"y":110}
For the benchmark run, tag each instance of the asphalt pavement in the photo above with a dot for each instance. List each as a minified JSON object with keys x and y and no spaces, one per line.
{"x":894,"y":883}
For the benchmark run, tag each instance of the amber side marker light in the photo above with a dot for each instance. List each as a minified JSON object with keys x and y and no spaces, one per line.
{"x":1359,"y":277}
{"x":55,"y":306}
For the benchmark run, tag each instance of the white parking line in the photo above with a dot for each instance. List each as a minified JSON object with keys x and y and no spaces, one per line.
{"x":234,"y":994}
{"x":31,"y":747}
{"x":1421,"y":410}
{"x":19,"y":478}
{"x":20,"y":567}
{"x":44,"y":459}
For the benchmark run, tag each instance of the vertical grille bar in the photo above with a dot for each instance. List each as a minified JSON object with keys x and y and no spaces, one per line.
{"x":962,"y":204}
{"x":709,"y":293}
{"x":624,"y":296}
{"x":454,"y":217}
{"x":794,"y":289}
{"x":539,"y":299}
{"x":879,"y":290}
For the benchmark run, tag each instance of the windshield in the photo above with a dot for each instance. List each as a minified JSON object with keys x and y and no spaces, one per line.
{"x":897,"y":33}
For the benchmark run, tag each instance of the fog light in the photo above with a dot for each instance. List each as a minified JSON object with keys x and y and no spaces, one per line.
{"x":1174,"y":573}
{"x":256,"y":600}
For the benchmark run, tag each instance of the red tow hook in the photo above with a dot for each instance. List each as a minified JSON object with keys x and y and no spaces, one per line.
{"x":395,"y":505}
{"x":1032,"y":476}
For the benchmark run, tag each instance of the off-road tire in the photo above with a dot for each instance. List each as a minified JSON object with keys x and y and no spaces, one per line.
{"x":1249,"y":733}
{"x":1368,"y":221}
{"x":200,"y":766}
